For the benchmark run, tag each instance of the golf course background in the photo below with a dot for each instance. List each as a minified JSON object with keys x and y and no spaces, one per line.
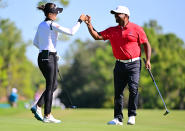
{"x":91,"y":120}
{"x":87,"y":70}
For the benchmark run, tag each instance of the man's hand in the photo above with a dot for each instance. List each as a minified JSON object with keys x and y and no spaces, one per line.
{"x":92,"y":31}
{"x":88,"y":20}
{"x":147,"y":49}
{"x":148,"y":65}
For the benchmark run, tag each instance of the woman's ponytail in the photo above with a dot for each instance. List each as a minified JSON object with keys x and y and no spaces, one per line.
{"x":41,"y":7}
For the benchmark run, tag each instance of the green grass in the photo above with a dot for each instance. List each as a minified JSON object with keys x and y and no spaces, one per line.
{"x":91,"y":120}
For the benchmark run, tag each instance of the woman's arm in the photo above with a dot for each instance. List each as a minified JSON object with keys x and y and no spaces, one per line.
{"x":68,"y":31}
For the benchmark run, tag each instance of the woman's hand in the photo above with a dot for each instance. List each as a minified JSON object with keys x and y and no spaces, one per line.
{"x":83,"y":17}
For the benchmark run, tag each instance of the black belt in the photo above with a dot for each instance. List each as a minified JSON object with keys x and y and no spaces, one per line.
{"x":44,"y":55}
{"x":48,"y":52}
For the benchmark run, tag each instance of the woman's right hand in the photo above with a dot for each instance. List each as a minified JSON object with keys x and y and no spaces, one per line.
{"x":83,"y":17}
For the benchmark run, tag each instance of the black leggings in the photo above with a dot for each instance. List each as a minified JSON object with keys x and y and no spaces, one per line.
{"x":49,"y":69}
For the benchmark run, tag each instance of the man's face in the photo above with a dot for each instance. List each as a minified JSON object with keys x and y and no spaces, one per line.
{"x":120,"y":17}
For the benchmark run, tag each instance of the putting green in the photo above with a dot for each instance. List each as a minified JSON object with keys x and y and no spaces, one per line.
{"x":91,"y":120}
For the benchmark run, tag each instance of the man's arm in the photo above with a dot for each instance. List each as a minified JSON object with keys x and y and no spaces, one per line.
{"x":147,"y":49}
{"x":92,"y":31}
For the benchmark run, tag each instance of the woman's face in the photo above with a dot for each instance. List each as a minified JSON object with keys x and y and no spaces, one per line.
{"x":52,"y":16}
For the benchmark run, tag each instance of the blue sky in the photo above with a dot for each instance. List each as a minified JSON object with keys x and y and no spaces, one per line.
{"x":170,"y":14}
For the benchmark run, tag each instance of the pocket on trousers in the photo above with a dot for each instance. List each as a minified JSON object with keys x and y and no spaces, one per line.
{"x":135,"y":72}
{"x":44,"y":55}
{"x":135,"y":77}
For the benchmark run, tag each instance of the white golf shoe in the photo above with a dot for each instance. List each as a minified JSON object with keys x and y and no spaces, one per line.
{"x":50,"y":119}
{"x":115,"y":121}
{"x":37,"y":112}
{"x":131,"y":120}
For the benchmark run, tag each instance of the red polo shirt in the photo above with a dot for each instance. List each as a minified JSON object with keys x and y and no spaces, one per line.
{"x":126,"y":40}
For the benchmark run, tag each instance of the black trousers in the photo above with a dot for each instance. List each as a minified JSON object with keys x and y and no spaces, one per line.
{"x":49,"y":69}
{"x":126,"y":73}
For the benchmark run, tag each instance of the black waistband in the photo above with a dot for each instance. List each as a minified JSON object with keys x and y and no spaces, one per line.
{"x":48,"y":52}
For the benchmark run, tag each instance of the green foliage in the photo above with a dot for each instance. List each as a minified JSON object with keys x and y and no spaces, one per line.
{"x":63,"y":2}
{"x":80,"y":75}
{"x":167,"y":67}
{"x":15,"y":70}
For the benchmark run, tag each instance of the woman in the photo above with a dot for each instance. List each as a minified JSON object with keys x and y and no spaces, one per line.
{"x":45,"y":40}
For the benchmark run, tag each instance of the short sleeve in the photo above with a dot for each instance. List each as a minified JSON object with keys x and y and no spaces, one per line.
{"x":142,"y":36}
{"x":106,"y":34}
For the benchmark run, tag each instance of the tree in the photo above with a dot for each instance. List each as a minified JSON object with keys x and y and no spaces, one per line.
{"x":167,"y":67}
{"x":78,"y":79}
{"x":63,"y":2}
{"x":15,"y":70}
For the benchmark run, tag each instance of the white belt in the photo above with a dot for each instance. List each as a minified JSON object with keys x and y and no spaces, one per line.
{"x":129,"y":60}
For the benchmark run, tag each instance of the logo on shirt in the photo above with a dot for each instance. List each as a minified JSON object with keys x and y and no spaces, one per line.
{"x":130,"y":33}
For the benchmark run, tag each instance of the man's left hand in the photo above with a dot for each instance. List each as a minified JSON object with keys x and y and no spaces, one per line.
{"x":148,"y":65}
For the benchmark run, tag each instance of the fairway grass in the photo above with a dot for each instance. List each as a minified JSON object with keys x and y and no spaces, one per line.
{"x":91,"y":120}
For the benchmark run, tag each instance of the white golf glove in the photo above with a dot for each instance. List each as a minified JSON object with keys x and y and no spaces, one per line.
{"x":58,"y":57}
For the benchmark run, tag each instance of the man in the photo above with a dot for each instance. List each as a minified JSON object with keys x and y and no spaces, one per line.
{"x":125,"y":39}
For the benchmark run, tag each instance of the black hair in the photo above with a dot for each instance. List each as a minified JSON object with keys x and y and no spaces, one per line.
{"x":46,"y":8}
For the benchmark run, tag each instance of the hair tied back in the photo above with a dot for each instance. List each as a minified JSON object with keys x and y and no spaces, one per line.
{"x":41,"y":7}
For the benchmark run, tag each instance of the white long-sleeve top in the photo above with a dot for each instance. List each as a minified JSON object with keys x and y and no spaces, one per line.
{"x":46,"y":38}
